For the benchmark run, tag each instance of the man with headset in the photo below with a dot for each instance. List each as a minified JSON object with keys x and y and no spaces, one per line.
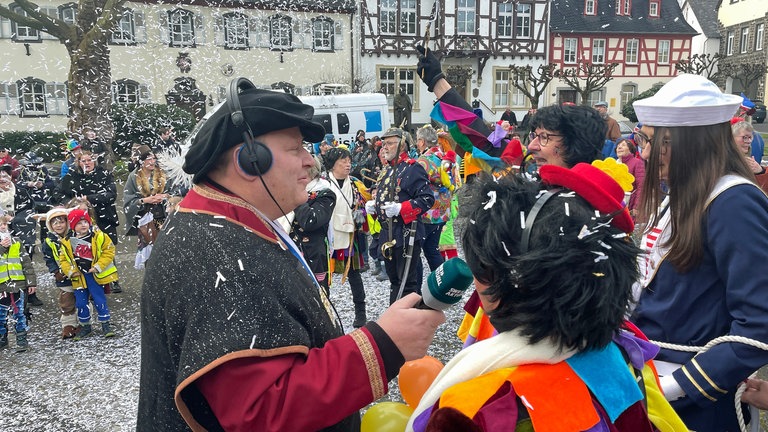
{"x":236,"y":332}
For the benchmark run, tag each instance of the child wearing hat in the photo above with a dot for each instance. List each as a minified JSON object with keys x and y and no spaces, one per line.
{"x":86,"y":258}
{"x":58,"y":228}
{"x":72,"y":149}
{"x":17,"y":277}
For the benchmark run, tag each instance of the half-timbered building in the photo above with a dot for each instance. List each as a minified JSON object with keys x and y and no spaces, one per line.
{"x":478,"y":40}
{"x":645,"y":37}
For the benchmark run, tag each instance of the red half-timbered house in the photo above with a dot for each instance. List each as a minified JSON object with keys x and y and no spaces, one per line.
{"x":646,"y":38}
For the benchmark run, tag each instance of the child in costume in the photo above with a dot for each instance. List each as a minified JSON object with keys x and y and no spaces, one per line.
{"x":17,"y":277}
{"x":554,"y":268}
{"x":58,"y":228}
{"x":86,"y":259}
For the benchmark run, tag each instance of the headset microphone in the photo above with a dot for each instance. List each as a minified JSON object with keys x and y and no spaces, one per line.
{"x":446,"y":285}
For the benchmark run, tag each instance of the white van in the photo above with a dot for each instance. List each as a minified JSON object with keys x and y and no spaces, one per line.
{"x":343,"y":115}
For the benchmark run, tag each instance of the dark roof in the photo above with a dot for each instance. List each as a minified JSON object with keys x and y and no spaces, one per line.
{"x":567,"y":16}
{"x":706,"y":15}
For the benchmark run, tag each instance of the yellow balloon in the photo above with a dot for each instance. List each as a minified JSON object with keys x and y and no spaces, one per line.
{"x":386,"y":417}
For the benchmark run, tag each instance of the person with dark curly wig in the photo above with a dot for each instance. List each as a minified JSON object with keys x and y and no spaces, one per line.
{"x":564,"y":135}
{"x":554,"y":267}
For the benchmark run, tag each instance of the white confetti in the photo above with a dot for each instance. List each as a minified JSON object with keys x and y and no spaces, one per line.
{"x":567,"y":210}
{"x":491,"y":200}
{"x":230,"y":315}
{"x":216,"y":225}
{"x":253,"y":341}
{"x":570,"y":194}
{"x":603,"y":244}
{"x":472,"y":221}
{"x":240,"y":264}
{"x":526,"y":403}
{"x":597,"y":213}
{"x":584,"y":232}
{"x":600,"y":256}
{"x":169,"y":230}
{"x":219,"y":278}
{"x":522,"y":220}
{"x":618,"y":236}
{"x":505,"y":249}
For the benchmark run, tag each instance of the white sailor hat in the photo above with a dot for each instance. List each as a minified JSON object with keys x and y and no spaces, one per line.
{"x":687,"y":100}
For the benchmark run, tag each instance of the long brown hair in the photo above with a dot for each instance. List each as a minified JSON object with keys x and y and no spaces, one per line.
{"x":700,"y":156}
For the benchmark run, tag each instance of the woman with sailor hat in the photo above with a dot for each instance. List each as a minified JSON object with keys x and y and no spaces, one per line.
{"x":702,"y":279}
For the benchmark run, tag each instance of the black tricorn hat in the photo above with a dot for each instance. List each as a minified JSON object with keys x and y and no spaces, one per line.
{"x":264,"y":111}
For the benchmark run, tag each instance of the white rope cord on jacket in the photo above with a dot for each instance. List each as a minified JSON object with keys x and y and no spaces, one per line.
{"x":718,"y":340}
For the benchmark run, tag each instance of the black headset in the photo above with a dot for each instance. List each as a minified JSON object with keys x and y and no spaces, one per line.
{"x":253,"y":156}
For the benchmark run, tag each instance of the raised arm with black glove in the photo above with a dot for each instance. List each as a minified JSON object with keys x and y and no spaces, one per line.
{"x":428,"y":68}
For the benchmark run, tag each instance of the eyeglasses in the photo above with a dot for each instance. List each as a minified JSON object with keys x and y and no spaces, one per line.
{"x":390,"y":143}
{"x":642,"y":139}
{"x":746,"y":137}
{"x":543,"y":137}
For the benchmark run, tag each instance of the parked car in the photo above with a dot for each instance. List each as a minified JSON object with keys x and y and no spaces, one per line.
{"x":759,"y":115}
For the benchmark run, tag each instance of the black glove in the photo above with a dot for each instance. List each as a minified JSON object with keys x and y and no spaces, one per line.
{"x":428,"y":68}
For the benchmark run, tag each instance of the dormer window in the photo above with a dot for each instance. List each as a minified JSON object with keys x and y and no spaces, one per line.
{"x":654,"y":8}
{"x":623,"y":7}
{"x":590,"y":7}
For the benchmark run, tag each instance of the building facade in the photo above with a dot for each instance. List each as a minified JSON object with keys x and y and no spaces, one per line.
{"x":742,"y":46}
{"x":644,"y":37}
{"x":182,"y":53}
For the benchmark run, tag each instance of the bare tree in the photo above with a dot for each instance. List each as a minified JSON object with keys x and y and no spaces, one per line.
{"x":705,"y":65}
{"x":532,"y":83}
{"x":86,"y":41}
{"x":746,"y":73}
{"x":587,"y":77}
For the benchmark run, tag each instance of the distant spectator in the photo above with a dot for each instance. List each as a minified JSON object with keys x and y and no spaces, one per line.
{"x":614,"y":132}
{"x":73,"y":149}
{"x":509,"y":115}
{"x":6,"y":158}
{"x":95,"y":145}
{"x":166,"y":141}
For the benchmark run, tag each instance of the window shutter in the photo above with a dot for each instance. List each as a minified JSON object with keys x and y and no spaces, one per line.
{"x":145,"y":97}
{"x":165,"y":34}
{"x":338,"y":36}
{"x":140,"y":28}
{"x":5,"y":28}
{"x":307,"y":33}
{"x":262,"y":32}
{"x":199,"y":30}
{"x":254,"y":32}
{"x":297,"y":39}
{"x":218,"y":30}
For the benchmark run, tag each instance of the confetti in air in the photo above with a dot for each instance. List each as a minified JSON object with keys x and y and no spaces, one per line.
{"x":570,"y":194}
{"x":240,"y":264}
{"x":472,"y":221}
{"x":599,"y":274}
{"x":618,"y":236}
{"x":603,"y":244}
{"x":253,"y":341}
{"x":567,"y":210}
{"x":219,"y":278}
{"x":216,"y":225}
{"x":491,"y":200}
{"x":230,"y":315}
{"x":505,"y":249}
{"x":584,"y":232}
{"x":169,"y":230}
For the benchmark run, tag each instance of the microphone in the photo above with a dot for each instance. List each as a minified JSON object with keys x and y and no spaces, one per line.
{"x":446,"y":285}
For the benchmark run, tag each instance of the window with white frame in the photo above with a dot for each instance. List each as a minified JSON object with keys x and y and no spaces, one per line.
{"x":627,"y":7}
{"x":744,"y":42}
{"x":280,"y":32}
{"x":235,"y":30}
{"x":408,"y":14}
{"x":388,"y":17}
{"x":124,"y":31}
{"x":322,"y":34}
{"x":68,"y":13}
{"x":32,"y":97}
{"x":598,"y":51}
{"x":729,"y":43}
{"x":504,"y":19}
{"x":52,"y":12}
{"x":596,"y":96}
{"x":125,"y":92}
{"x":465,"y":16}
{"x":759,"y":34}
{"x":653,"y":8}
{"x":517,"y":97}
{"x":501,"y":88}
{"x":570,"y":45}
{"x":633,"y":46}
{"x":391,"y":79}
{"x":628,"y":92}
{"x":181,"y":28}
{"x":589,"y":7}
{"x":56,"y":98}
{"x":9,"y":98}
{"x":21,"y":32}
{"x":523,"y":20}
{"x":663,"y":56}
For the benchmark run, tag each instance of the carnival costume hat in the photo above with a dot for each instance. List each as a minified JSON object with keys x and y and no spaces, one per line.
{"x":687,"y":100}
{"x":264,"y":111}
{"x":76,"y":215}
{"x":601,"y":103}
{"x":72,"y":145}
{"x":596,"y":187}
{"x":54,"y":213}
